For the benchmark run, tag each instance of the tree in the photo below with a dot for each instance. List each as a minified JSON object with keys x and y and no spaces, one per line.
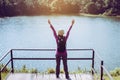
{"x":91,"y":8}
{"x":2,"y":8}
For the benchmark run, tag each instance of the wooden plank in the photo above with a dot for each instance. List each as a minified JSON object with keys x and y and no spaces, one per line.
{"x":46,"y":76}
{"x":35,"y":77}
{"x":19,"y":76}
{"x":89,"y":77}
{"x":52,"y":77}
{"x":62,"y":76}
{"x":78,"y":76}
{"x":86,"y":77}
{"x":72,"y":77}
{"x":28,"y":76}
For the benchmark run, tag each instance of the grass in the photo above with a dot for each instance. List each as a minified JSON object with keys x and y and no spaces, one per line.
{"x":114,"y":77}
{"x":4,"y":75}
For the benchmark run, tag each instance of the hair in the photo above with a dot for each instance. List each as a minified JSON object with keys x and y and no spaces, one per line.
{"x":61,"y":32}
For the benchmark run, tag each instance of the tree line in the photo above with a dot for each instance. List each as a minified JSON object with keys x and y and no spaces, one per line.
{"x":38,"y":7}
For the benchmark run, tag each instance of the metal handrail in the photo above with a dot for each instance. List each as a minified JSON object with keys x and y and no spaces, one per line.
{"x":4,"y":56}
{"x":51,"y":49}
{"x":13,"y":58}
{"x":110,"y":77}
{"x":102,"y":68}
{"x":92,"y":58}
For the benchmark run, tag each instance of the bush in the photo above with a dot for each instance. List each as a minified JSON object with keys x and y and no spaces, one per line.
{"x":24,"y":69}
{"x":50,"y":70}
{"x":62,"y":71}
{"x":115,"y":72}
{"x":34,"y":70}
{"x":6,"y":69}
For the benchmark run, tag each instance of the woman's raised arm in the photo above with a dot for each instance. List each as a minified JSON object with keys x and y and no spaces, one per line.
{"x":54,"y":32}
{"x":73,"y":21}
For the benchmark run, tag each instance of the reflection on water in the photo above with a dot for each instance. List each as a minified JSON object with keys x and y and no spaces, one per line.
{"x":101,"y":34}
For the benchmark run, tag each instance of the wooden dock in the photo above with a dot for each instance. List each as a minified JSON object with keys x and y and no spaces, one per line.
{"x":29,"y":76}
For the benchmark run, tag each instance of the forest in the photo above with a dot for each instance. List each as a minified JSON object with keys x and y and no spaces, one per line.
{"x":48,"y":7}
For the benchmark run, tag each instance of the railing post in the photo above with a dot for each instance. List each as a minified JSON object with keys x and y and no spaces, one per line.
{"x":93,"y":56}
{"x":12,"y":62}
{"x":101,"y":75}
{"x":0,"y":74}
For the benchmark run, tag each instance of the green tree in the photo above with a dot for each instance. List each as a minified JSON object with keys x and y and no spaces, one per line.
{"x":2,"y":7}
{"x":91,"y":8}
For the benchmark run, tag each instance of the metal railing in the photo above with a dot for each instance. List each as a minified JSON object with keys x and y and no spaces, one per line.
{"x":12,"y":59}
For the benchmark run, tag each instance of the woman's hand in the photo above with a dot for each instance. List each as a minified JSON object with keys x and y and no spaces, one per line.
{"x":73,"y":21}
{"x":49,"y":22}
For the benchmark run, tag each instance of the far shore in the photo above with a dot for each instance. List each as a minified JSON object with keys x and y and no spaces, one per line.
{"x":95,"y":15}
{"x":78,"y":14}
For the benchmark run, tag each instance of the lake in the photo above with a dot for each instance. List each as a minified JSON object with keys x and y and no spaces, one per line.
{"x":100,"y":34}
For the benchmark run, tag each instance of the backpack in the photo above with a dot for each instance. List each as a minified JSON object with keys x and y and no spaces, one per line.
{"x":61,"y":44}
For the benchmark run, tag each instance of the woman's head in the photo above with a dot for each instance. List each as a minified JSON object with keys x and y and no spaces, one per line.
{"x":61,"y":32}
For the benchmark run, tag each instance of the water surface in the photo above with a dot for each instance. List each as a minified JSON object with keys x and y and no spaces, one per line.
{"x":100,"y":34}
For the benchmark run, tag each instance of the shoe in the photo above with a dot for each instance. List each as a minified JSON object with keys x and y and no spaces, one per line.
{"x":68,"y":78}
{"x":57,"y":77}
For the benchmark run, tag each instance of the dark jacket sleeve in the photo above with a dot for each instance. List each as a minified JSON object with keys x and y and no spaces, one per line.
{"x":68,"y":32}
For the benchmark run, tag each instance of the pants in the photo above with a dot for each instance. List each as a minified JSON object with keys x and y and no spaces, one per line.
{"x":64,"y":59}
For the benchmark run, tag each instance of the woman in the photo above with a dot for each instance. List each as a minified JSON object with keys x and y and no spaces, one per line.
{"x":61,"y":52}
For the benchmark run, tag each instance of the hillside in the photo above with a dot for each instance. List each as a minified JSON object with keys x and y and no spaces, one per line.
{"x":47,"y":7}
